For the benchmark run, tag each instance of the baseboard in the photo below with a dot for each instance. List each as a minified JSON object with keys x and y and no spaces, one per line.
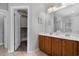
{"x":10,"y":51}
{"x":33,"y":51}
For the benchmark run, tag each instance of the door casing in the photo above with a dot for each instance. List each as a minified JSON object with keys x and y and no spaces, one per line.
{"x":12,"y":10}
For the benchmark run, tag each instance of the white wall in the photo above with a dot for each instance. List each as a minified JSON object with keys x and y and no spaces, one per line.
{"x":1,"y":29}
{"x":34,"y":26}
{"x":4,"y":6}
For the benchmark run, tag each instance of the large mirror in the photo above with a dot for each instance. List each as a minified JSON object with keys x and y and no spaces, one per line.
{"x":66,"y":20}
{"x":63,"y":24}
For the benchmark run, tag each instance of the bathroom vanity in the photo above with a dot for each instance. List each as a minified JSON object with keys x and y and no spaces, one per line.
{"x":65,"y":28}
{"x":56,"y":45}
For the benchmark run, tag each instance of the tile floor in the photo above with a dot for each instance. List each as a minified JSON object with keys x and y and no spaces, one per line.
{"x":21,"y":51}
{"x":23,"y":46}
{"x":3,"y":52}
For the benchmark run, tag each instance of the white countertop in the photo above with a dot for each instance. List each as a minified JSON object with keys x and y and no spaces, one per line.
{"x":61,"y":35}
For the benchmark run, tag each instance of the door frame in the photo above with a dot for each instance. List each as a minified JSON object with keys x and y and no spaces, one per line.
{"x":12,"y":10}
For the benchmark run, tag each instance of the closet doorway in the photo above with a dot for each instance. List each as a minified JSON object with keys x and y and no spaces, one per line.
{"x":20,"y":29}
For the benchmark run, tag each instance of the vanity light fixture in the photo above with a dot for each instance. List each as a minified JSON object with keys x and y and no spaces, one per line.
{"x":55,"y":8}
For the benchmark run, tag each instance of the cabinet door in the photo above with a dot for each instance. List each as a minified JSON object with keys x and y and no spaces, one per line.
{"x":48,"y":45}
{"x":69,"y":48}
{"x":78,"y":48}
{"x":41,"y":43}
{"x":56,"y":47}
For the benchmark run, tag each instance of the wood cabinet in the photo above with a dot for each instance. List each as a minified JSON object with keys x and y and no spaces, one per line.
{"x":58,"y":46}
{"x":45,"y":44}
{"x":78,"y":48}
{"x":41,"y":43}
{"x":69,"y":48}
